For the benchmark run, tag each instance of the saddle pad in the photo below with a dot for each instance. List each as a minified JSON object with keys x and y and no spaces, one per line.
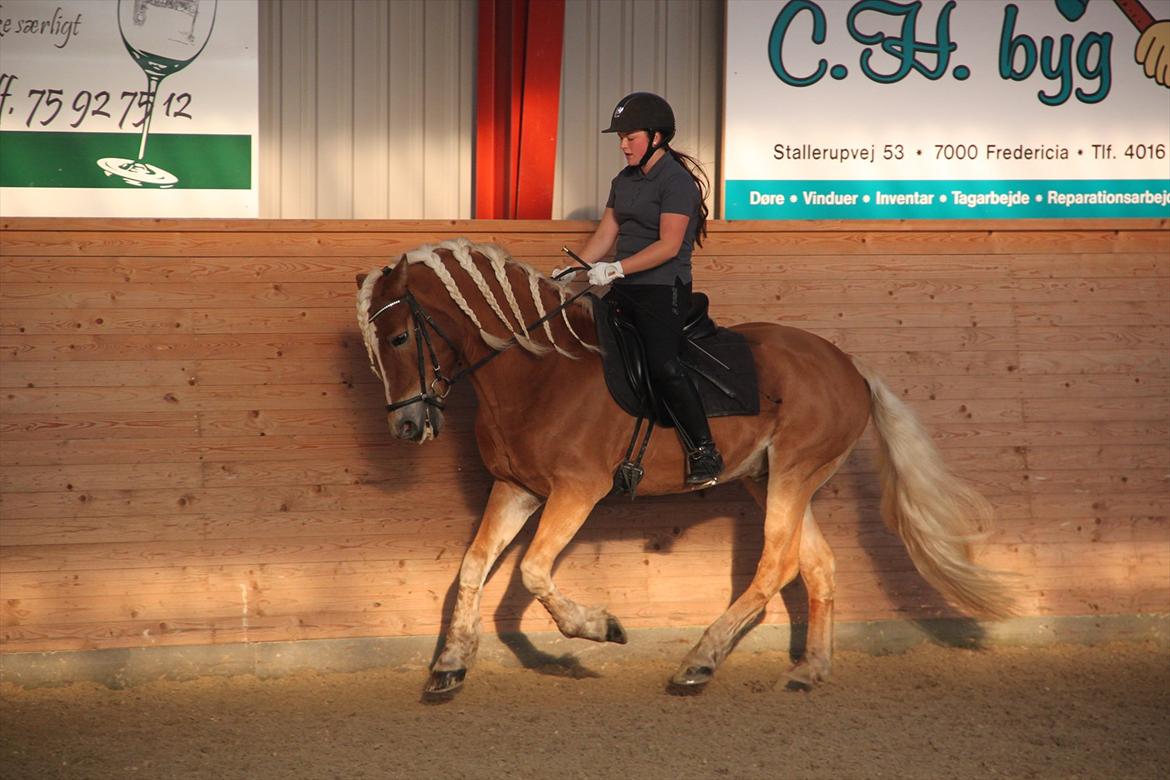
{"x":725,"y":392}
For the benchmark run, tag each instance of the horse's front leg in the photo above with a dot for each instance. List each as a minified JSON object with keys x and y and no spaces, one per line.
{"x":564,"y":514}
{"x":508,"y":507}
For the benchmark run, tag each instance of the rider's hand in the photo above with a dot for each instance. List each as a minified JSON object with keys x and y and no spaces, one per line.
{"x":603,"y":273}
{"x":565,"y":274}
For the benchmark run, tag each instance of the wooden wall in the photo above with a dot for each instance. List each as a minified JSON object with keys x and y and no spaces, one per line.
{"x":192,"y":449}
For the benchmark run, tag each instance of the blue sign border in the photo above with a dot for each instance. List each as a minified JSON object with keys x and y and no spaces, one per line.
{"x":946,"y":199}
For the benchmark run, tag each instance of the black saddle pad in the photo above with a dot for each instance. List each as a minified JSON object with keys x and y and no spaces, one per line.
{"x":725,"y":391}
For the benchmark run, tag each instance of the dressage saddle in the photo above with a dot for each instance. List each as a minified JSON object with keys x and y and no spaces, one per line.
{"x":718,"y":360}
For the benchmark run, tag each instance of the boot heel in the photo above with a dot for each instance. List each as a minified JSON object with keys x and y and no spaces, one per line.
{"x":704,"y":465}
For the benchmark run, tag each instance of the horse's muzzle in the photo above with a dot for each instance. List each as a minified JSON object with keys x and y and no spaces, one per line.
{"x":416,"y":424}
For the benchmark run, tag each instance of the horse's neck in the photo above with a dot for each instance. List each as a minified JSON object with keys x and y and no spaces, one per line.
{"x":521,"y":388}
{"x":509,"y":384}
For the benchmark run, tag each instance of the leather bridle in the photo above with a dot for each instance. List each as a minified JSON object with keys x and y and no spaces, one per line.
{"x":436,"y":393}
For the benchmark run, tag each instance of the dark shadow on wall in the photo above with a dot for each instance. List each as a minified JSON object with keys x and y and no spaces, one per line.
{"x":399,"y":469}
{"x":892,"y":565}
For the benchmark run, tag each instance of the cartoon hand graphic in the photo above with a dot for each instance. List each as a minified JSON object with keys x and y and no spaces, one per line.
{"x":1153,"y":52}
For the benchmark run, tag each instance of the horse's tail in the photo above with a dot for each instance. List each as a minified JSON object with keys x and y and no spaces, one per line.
{"x":937,"y":516}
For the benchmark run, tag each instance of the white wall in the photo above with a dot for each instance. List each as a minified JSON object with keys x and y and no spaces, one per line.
{"x":367,"y":106}
{"x":613,"y":47}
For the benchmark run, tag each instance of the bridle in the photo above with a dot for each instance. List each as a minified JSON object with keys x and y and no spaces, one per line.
{"x":436,"y":393}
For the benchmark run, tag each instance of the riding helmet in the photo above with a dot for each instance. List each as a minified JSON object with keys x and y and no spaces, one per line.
{"x":642,"y":111}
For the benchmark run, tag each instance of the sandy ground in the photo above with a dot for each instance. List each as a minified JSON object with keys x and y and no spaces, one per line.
{"x":1056,"y":712}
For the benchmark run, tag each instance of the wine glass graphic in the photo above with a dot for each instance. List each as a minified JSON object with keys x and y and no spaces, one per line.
{"x":163,"y":37}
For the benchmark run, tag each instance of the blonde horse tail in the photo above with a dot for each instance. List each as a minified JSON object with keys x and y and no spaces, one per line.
{"x":937,"y":516}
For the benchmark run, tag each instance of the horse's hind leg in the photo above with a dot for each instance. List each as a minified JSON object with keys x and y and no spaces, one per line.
{"x":507,"y":510}
{"x":818,"y":570}
{"x":563,"y":516}
{"x":785,"y":505}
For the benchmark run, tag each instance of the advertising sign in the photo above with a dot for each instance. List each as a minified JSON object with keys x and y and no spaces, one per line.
{"x":947,"y":109}
{"x":128,"y":108}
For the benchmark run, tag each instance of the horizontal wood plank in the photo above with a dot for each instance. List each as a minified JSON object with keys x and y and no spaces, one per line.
{"x":193,"y":449}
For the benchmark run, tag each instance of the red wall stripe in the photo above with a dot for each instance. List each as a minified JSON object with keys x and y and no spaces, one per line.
{"x":542,"y":96}
{"x":517,"y":107}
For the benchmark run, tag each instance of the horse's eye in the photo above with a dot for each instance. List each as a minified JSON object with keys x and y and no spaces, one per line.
{"x":398,"y":340}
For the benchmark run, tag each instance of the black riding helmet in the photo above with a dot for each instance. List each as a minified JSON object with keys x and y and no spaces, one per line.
{"x":643,"y":111}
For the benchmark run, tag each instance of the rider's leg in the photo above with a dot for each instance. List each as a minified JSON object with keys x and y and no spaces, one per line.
{"x":658,"y":312}
{"x":704,"y":463}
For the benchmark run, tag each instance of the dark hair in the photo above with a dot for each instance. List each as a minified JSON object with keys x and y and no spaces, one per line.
{"x":692,"y":166}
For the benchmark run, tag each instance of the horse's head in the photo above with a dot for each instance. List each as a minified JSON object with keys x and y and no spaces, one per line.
{"x":407,"y":350}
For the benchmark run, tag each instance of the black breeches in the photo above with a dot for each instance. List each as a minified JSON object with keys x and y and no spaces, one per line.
{"x":658,"y":312}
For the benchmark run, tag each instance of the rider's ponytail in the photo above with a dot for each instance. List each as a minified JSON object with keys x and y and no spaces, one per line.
{"x":697,"y":173}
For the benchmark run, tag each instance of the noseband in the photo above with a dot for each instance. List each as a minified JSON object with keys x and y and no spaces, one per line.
{"x":436,"y":394}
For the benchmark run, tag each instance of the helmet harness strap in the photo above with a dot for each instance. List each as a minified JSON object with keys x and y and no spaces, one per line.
{"x":650,"y":149}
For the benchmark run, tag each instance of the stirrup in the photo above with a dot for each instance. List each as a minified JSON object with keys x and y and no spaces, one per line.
{"x":704,"y":465}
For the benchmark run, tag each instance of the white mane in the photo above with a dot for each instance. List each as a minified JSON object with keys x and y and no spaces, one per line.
{"x":461,"y":249}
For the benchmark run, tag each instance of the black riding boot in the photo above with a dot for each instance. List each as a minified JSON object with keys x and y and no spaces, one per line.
{"x":704,"y":463}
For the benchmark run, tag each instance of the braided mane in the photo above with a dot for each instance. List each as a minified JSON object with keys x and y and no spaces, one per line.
{"x":461,"y":250}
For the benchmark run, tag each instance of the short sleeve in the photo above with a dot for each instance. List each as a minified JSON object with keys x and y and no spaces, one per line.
{"x":680,"y":195}
{"x":610,"y":200}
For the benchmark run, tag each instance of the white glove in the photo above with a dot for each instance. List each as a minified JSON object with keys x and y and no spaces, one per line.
{"x":569,"y":271}
{"x":603,"y":273}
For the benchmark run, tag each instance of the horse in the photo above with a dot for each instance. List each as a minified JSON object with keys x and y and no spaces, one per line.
{"x":550,"y":435}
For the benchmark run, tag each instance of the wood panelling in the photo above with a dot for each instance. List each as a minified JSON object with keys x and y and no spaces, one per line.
{"x":193,"y":450}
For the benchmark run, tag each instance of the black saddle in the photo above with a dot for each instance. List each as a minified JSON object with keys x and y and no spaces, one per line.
{"x":718,"y":360}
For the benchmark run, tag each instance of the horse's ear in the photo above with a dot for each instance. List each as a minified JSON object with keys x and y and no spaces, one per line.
{"x":361,"y":279}
{"x":397,"y":280}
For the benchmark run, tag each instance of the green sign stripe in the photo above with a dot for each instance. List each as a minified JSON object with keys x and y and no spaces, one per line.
{"x":947,"y":199}
{"x":201,"y":162}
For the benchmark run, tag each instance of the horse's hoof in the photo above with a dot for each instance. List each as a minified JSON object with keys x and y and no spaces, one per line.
{"x":692,"y":679}
{"x":798,"y":684}
{"x":804,"y":677}
{"x":614,"y":631}
{"x":441,"y":683}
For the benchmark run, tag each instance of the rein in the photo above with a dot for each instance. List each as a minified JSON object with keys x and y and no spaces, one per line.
{"x":422,"y":320}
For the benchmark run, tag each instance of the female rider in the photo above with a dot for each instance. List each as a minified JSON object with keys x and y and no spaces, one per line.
{"x":656,"y":213}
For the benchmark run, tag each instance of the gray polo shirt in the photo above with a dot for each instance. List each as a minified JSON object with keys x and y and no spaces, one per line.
{"x":638,"y":199}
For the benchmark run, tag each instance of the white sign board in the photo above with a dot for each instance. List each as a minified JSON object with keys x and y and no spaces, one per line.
{"x":129,"y":108}
{"x":947,"y":109}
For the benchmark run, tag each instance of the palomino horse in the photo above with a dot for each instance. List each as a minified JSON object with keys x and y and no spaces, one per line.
{"x":464,"y":304}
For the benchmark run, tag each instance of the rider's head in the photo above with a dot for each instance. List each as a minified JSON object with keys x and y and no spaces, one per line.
{"x":643,"y":111}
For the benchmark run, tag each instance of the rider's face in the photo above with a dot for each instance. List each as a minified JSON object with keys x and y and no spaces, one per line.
{"x":633,"y":145}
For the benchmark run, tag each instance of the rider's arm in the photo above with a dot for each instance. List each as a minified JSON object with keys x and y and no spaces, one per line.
{"x":672,"y":229}
{"x":602,"y":240}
